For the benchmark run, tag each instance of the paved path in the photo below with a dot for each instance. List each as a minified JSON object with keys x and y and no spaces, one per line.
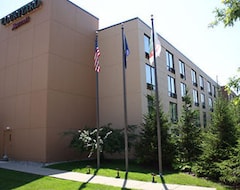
{"x":35,"y":168}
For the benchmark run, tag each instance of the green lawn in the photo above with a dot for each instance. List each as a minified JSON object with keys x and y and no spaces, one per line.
{"x":22,"y":181}
{"x":136,"y":172}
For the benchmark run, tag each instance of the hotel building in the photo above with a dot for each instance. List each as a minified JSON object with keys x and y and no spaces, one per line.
{"x":48,"y":84}
{"x":176,"y":74}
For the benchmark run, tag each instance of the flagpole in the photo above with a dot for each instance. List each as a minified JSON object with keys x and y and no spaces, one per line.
{"x":157,"y":103}
{"x":125,"y":99}
{"x":97,"y":121}
{"x":97,"y":114}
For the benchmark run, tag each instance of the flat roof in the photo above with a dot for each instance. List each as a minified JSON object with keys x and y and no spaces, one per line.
{"x":82,"y":9}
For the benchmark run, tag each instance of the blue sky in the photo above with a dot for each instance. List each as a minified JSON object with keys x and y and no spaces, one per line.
{"x":184,"y":23}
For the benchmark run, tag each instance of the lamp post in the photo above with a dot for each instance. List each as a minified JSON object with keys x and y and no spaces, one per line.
{"x":5,"y":157}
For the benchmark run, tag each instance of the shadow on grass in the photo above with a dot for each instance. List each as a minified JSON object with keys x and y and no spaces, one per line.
{"x":125,"y":181}
{"x":105,"y":164}
{"x":10,"y":179}
{"x":163,"y":182}
{"x":84,"y":185}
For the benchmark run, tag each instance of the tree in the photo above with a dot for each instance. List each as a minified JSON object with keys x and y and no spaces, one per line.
{"x":147,"y":147}
{"x":220,"y":140}
{"x":234,"y":85}
{"x":110,"y":140}
{"x":230,"y":169}
{"x":85,"y":140}
{"x":188,"y":135}
{"x":227,"y":15}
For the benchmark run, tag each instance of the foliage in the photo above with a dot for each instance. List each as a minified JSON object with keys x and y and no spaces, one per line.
{"x":224,"y":124}
{"x":188,"y":135}
{"x":110,"y":140}
{"x":219,"y":142}
{"x":86,"y":139}
{"x":149,"y":139}
{"x":115,"y":142}
{"x":230,"y":169}
{"x":227,"y":15}
{"x":234,"y":85}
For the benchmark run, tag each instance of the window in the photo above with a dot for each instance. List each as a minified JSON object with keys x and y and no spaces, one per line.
{"x":146,"y":46}
{"x":150,"y":103}
{"x":204,"y":119}
{"x":173,"y":112}
{"x":182,"y":69}
{"x":170,"y":63}
{"x":183,"y":89}
{"x":195,"y":97}
{"x":171,"y":87}
{"x":194,"y":77}
{"x":201,"y":82}
{"x":214,"y":90}
{"x":210,"y":104}
{"x":209,"y":88}
{"x":150,"y":77}
{"x":203,"y":100}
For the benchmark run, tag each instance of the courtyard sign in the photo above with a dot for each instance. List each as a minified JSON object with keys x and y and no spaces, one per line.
{"x":21,"y":12}
{"x":20,"y":23}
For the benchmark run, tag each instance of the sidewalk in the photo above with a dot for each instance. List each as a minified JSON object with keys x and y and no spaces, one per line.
{"x":35,"y":168}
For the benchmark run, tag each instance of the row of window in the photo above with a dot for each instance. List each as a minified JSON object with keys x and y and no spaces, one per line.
{"x":150,"y":80}
{"x":183,"y":88}
{"x":173,"y":113}
{"x":170,"y":67}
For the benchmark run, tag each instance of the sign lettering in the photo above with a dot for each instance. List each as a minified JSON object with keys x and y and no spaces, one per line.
{"x":20,"y":23}
{"x":21,"y":12}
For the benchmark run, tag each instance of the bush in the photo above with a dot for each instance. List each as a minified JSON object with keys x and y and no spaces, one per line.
{"x":110,"y":140}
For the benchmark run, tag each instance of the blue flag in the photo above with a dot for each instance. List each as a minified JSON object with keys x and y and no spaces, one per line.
{"x":126,"y":50}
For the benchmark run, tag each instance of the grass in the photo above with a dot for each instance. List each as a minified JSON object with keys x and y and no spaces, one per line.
{"x":136,"y":172}
{"x":22,"y":181}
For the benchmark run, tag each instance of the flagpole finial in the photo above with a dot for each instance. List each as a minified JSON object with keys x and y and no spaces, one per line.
{"x":122,"y":25}
{"x":152,"y":18}
{"x":96,"y":32}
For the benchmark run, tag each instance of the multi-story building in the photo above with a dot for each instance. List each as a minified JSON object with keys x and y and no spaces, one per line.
{"x":176,"y":74}
{"x":47,"y":80}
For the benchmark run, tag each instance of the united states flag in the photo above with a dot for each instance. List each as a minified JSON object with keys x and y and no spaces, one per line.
{"x":96,"y":57}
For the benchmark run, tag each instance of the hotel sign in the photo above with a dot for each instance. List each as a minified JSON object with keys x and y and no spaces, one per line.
{"x":21,"y":12}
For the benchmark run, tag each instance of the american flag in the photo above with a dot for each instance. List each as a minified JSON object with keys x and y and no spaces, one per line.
{"x":96,"y":57}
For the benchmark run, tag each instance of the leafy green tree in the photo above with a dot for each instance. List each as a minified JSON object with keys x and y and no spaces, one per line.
{"x":230,"y":169}
{"x":114,"y":143}
{"x":85,"y":140}
{"x":110,"y":140}
{"x":147,"y":147}
{"x":224,"y":124}
{"x":219,"y":140}
{"x":188,"y":135}
{"x":227,"y":15}
{"x":234,"y":85}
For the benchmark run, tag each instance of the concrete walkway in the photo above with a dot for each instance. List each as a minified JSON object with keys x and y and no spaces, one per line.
{"x":36,"y":168}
